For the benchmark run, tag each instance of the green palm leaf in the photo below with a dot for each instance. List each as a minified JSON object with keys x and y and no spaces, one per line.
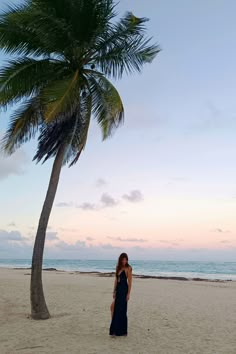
{"x":24,"y":124}
{"x":71,"y":132}
{"x":60,"y":96}
{"x":125,"y":47}
{"x":25,"y":76}
{"x":26,"y":29}
{"x":107,"y":104}
{"x":80,"y":132}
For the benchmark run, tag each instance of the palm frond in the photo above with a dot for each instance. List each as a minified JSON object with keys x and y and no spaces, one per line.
{"x":72,"y":132}
{"x":128,"y":26}
{"x":25,"y":77}
{"x":80,"y":133}
{"x":108,"y":108}
{"x":128,"y":57}
{"x":125,"y":48}
{"x":46,"y":27}
{"x":27,"y":30}
{"x":60,"y":96}
{"x":24,"y":124}
{"x":90,"y":18}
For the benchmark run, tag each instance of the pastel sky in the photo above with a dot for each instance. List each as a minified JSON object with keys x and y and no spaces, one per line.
{"x":164,"y":187}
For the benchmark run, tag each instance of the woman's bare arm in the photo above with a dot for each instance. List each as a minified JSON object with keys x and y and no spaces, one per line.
{"x":114,"y":290}
{"x":129,"y":280}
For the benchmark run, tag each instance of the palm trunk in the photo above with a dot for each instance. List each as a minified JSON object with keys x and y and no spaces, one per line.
{"x":39,"y":308}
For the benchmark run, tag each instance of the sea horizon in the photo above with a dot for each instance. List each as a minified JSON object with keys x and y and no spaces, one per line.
{"x":218,"y":270}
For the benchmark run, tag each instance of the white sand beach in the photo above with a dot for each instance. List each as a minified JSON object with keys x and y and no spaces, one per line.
{"x":164,"y":316}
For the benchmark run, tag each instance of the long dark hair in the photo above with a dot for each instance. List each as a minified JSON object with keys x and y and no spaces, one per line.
{"x":119,"y":263}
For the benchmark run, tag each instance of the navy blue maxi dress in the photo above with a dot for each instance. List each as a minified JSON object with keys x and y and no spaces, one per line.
{"x":119,"y":323}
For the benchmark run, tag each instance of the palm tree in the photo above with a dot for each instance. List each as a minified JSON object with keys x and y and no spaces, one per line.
{"x":65,"y":52}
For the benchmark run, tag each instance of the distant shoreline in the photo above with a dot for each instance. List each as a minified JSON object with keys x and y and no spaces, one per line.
{"x":137,"y":276}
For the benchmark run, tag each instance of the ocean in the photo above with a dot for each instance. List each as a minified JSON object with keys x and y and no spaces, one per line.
{"x":205,"y":270}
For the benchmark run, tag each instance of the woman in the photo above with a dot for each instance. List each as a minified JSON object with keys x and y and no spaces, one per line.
{"x":121,"y":295}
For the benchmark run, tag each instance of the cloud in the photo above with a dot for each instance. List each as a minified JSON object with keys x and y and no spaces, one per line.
{"x":67,"y":229}
{"x":171,"y":242}
{"x":11,"y":236}
{"x":221,"y":231}
{"x":89,"y":238}
{"x":108,"y":246}
{"x":12,"y":224}
{"x":138,"y":248}
{"x":15,"y":164}
{"x":52,"y":236}
{"x":109,"y":251}
{"x":14,"y":245}
{"x":108,"y":201}
{"x":134,"y":196}
{"x":64,"y":205}
{"x":132,"y":239}
{"x":78,"y":245}
{"x":87,"y":206}
{"x":101,"y":182}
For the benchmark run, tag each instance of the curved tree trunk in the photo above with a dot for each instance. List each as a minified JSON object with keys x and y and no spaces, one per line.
{"x":39,"y":308}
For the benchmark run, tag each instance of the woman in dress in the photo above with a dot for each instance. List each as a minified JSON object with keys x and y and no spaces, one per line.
{"x":121,"y":295}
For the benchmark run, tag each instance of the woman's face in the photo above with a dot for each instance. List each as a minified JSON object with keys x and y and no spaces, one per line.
{"x":124,"y":261}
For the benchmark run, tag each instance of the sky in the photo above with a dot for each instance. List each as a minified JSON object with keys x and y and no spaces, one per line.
{"x":164,"y":186}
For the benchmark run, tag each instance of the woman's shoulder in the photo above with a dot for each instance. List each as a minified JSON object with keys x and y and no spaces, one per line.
{"x":130,"y":268}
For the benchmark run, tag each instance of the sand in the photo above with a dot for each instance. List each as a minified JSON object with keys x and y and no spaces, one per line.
{"x":164,"y":316}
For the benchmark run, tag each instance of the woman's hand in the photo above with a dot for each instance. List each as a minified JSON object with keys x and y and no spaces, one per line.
{"x":127,"y":297}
